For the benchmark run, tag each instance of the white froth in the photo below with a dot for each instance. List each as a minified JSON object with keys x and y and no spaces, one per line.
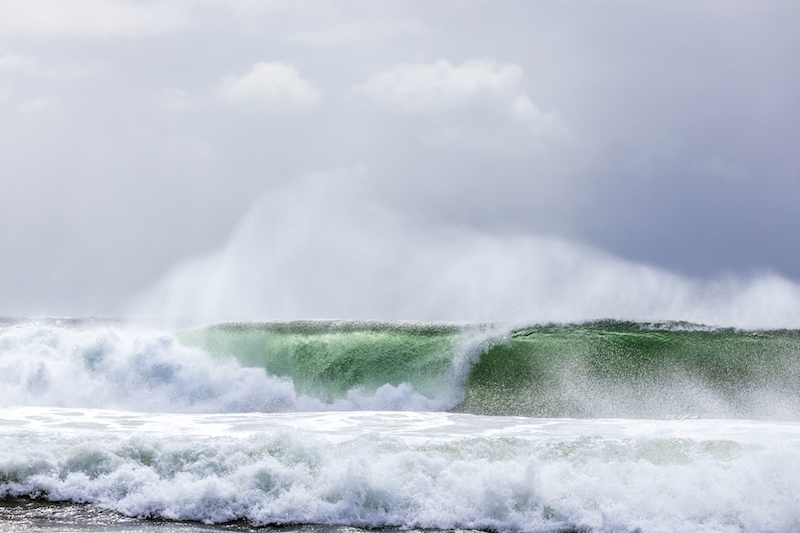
{"x":432,"y":470}
{"x":43,"y":364}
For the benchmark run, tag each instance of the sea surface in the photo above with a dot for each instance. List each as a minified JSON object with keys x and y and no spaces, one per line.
{"x":334,"y":426}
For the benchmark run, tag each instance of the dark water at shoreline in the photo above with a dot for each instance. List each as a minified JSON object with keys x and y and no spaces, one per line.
{"x":28,"y":515}
{"x":19,"y":514}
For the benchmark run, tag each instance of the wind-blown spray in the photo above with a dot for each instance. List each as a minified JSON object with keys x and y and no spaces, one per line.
{"x":319,"y":249}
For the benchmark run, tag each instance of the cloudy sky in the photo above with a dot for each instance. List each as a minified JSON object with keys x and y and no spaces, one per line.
{"x":141,"y":142}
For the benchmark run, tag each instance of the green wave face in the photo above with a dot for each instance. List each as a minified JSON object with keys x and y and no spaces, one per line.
{"x":619,"y":369}
{"x":596,"y":370}
{"x":328,"y":359}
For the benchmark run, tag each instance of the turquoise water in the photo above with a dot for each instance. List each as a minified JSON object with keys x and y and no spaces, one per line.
{"x":595,"y":369}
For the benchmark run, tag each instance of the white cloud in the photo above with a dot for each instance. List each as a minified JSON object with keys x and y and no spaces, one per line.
{"x":275,"y":85}
{"x":79,"y":18}
{"x":430,"y":88}
{"x":482,"y":102}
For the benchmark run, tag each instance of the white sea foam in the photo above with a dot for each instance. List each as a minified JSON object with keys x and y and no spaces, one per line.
{"x":432,"y":470}
{"x":128,"y":368}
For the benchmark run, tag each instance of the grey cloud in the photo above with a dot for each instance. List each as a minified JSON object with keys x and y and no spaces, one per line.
{"x":36,"y":106}
{"x":12,"y":63}
{"x":94,"y":18}
{"x":140,"y":165}
{"x":173,"y":99}
{"x":350,"y":32}
{"x":717,"y":167}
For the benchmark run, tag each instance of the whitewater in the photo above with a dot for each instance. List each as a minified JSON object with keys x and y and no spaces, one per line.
{"x":594,"y":426}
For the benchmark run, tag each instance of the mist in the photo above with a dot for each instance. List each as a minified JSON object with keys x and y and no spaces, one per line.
{"x":322,"y":248}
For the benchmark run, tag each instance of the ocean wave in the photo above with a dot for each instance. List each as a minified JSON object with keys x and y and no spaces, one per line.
{"x":588,"y":370}
{"x":434,"y":470}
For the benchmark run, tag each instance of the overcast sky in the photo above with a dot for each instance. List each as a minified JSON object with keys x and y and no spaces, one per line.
{"x":137,"y":138}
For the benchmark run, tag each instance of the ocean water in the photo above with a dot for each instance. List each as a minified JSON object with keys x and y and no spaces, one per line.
{"x":336,"y":425}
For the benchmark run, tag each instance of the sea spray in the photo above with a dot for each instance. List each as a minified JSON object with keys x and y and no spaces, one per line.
{"x":317,"y":248}
{"x":112,"y":366}
{"x":638,"y":370}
